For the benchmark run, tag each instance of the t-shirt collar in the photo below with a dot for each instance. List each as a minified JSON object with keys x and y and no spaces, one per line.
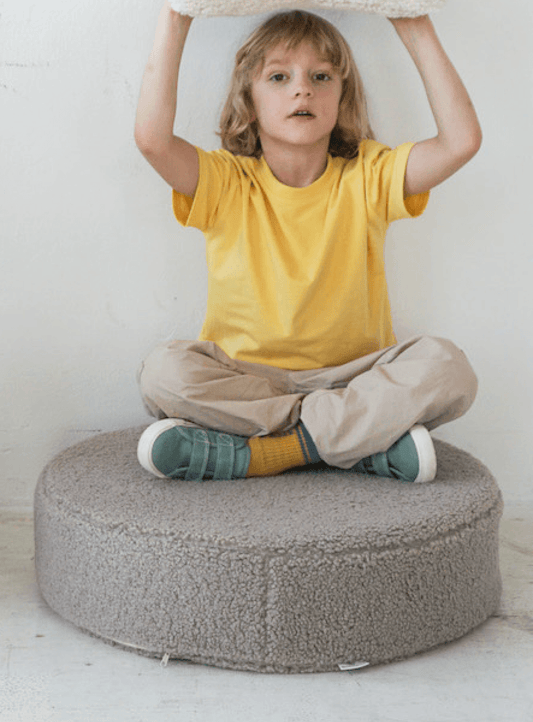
{"x":278,"y":187}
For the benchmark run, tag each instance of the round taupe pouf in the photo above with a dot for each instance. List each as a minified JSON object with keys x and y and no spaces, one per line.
{"x":302,"y":572}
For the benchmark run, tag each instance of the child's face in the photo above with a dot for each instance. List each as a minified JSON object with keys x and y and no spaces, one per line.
{"x":296,"y":98}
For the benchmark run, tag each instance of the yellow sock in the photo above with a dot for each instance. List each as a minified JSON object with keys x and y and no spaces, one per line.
{"x":270,"y":455}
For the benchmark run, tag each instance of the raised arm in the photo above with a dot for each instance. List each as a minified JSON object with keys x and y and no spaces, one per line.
{"x":458,"y":131}
{"x":173,"y":158}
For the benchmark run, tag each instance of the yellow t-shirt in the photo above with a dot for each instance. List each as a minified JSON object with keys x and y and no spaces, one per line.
{"x":296,"y":276}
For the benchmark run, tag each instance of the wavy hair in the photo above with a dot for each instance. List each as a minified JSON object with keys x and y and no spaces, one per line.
{"x":239,"y":131}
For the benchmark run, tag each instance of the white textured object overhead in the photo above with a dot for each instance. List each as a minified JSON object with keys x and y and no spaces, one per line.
{"x":389,"y":8}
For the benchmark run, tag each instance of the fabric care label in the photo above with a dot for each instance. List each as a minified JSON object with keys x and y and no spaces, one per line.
{"x":354,"y":665}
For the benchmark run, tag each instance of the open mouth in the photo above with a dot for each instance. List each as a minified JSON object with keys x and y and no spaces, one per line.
{"x":302,"y":114}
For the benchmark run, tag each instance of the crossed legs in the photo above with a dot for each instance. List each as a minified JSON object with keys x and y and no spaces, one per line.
{"x":350,"y":412}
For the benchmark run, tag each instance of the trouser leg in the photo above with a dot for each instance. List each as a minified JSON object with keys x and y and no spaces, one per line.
{"x":196,"y":381}
{"x":351,"y":411}
{"x":374,"y":400}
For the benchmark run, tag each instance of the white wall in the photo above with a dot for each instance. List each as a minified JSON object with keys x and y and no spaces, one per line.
{"x":94,"y":270}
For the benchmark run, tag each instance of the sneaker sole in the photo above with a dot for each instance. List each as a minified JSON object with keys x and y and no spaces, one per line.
{"x":147,"y":441}
{"x":426,"y":454}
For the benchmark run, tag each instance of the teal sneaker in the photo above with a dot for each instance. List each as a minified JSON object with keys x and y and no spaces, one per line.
{"x":411,"y":458}
{"x":170,"y":450}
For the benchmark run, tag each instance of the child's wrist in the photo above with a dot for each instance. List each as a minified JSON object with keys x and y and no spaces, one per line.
{"x":412,"y":30}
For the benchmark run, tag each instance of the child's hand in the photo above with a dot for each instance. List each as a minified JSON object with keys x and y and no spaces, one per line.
{"x":176,"y":12}
{"x":397,"y":22}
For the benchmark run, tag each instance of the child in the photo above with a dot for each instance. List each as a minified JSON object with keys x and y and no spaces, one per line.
{"x":297,"y":361}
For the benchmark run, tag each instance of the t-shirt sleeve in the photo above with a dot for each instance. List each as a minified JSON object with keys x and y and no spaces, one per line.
{"x":385,"y":177}
{"x":217,"y":173}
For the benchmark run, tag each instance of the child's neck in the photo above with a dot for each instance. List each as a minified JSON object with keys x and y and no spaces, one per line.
{"x":296,"y":167}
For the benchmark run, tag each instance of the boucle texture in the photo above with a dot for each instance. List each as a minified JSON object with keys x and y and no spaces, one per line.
{"x":389,"y":8}
{"x":295,"y":573}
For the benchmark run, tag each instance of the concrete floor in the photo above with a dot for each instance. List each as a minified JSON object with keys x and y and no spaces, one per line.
{"x":52,"y":672}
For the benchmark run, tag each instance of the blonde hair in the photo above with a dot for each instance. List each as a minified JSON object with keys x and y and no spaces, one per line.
{"x":238,"y":129}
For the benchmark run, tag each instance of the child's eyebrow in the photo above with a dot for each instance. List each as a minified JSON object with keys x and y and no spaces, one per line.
{"x":273,"y":62}
{"x":283,"y":61}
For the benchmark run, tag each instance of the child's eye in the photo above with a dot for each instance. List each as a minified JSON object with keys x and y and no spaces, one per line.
{"x":277,"y":77}
{"x":321,"y":77}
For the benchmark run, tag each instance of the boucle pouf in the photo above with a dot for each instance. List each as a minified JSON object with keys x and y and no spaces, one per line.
{"x":301,"y":572}
{"x":388,"y":8}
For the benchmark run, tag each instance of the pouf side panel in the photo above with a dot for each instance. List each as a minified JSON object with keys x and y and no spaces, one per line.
{"x":162,"y":595}
{"x":382,"y":605}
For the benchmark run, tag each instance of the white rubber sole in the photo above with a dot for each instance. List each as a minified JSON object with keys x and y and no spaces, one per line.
{"x":147,"y":441}
{"x":426,"y":453}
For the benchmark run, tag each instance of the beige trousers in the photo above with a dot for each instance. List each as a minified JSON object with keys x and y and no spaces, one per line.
{"x":351,"y":411}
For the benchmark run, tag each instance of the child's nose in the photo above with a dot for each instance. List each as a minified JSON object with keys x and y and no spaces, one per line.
{"x":303,"y":91}
{"x":303,"y":87}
